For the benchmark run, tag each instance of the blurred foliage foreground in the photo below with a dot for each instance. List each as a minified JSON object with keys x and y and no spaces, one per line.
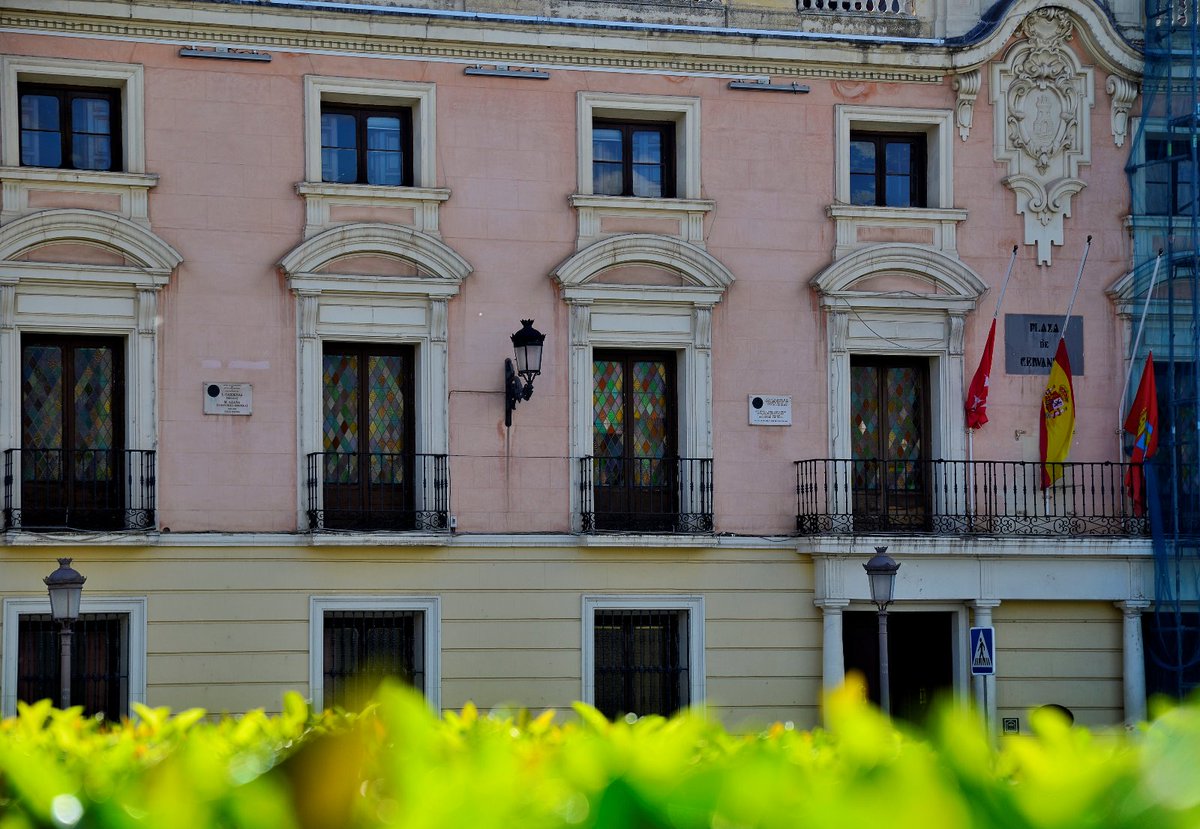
{"x":397,"y":764}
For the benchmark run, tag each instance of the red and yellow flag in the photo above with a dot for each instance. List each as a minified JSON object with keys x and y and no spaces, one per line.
{"x":1058,"y":417}
{"x":977,"y":394}
{"x":1142,"y":424}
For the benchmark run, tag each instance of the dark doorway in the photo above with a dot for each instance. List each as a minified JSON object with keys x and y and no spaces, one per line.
{"x":920,"y":658}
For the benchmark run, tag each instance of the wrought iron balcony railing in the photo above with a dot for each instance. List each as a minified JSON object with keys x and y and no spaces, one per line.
{"x":964,"y":498}
{"x":624,"y":494}
{"x":378,"y":491}
{"x":79,"y":489}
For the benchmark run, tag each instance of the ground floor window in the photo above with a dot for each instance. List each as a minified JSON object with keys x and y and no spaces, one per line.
{"x":99,"y":662}
{"x":1172,"y":651}
{"x":643,"y":656}
{"x":358,"y":642}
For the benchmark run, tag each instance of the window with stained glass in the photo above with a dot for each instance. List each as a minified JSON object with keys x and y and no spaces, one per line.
{"x":367,"y":429}
{"x":889,"y":406}
{"x":633,"y":435}
{"x":72,"y":400}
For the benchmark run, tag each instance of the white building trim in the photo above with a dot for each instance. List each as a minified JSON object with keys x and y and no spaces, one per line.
{"x":133,"y":606}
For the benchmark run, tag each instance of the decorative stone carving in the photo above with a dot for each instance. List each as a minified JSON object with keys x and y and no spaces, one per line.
{"x":1043,"y":99}
{"x":966,"y":86}
{"x":1123,"y":93}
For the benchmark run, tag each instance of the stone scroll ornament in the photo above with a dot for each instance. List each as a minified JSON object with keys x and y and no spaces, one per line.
{"x":1043,"y":99}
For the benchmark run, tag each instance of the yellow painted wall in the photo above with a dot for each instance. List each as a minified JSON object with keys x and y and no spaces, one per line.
{"x":227,"y":627}
{"x":1059,"y":652}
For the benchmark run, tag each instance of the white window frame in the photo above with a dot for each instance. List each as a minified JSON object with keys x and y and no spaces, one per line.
{"x":417,"y":96}
{"x":694,"y":605}
{"x":668,"y":318}
{"x":321,"y":198}
{"x":429,"y":605}
{"x":937,"y":126}
{"x":126,"y":77}
{"x":133,"y":606}
{"x":347,"y":307}
{"x":684,"y":112}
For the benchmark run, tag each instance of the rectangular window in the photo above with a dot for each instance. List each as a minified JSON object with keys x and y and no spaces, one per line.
{"x":635,"y":471}
{"x":99,"y":662}
{"x":73,"y":463}
{"x":362,"y":647}
{"x":889,"y":421}
{"x":68,"y":127}
{"x":1172,"y":653}
{"x":633,"y":158}
{"x":369,"y":464}
{"x":887,"y":169}
{"x":641,"y":661}
{"x":1171,"y":177}
{"x":366,"y":145}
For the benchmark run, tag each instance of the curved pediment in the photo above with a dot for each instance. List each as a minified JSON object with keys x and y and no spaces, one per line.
{"x":900,"y":274}
{"x":665,"y":267}
{"x":46,"y":237}
{"x":334,"y":250}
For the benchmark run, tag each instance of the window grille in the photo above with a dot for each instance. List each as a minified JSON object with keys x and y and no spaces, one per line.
{"x":641,"y":661}
{"x":99,"y":662}
{"x":362,"y":647}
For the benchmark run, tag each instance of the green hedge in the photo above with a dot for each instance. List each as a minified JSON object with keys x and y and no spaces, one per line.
{"x":399,"y":765}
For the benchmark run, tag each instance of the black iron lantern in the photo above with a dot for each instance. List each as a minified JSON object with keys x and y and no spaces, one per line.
{"x":527,"y":350}
{"x":65,"y":586}
{"x":881,"y":571}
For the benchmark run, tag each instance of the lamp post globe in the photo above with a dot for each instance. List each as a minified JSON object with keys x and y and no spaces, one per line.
{"x":65,"y":586}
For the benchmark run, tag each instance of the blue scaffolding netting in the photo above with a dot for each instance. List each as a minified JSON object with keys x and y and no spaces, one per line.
{"x":1164,"y":289}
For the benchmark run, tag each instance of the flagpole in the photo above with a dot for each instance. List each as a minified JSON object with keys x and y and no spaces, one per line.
{"x":1062,"y":337}
{"x":1137,"y":341}
{"x":971,"y":432}
{"x":1075,"y":292}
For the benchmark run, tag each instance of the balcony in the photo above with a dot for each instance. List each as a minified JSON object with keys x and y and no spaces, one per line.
{"x":79,"y":489}
{"x":963,"y":498}
{"x":378,"y":491}
{"x":645,"y":495}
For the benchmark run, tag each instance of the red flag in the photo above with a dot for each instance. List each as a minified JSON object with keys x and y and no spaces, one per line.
{"x":977,"y":394}
{"x":1058,"y":417}
{"x":1142,"y":424}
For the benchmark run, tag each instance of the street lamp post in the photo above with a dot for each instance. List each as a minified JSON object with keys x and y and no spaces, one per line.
{"x":65,"y":587}
{"x":881,"y":573}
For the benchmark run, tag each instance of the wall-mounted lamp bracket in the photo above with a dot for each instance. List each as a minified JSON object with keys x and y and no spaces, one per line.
{"x":514,"y":390}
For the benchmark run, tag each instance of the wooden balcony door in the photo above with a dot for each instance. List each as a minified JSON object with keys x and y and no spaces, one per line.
{"x":635,"y":471}
{"x":72,"y":422}
{"x":368,"y":436}
{"x":889,"y":440}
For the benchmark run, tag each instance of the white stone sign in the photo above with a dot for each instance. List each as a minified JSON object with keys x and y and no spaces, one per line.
{"x":770,"y":410}
{"x":228,"y":398}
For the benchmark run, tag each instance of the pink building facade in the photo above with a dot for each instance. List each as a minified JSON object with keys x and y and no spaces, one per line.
{"x":259,"y":268}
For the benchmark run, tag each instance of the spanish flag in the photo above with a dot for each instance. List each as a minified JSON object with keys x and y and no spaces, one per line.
{"x":1142,"y":424}
{"x":1058,"y":417}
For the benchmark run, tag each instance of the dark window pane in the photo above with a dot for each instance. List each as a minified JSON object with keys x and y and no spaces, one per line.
{"x":39,"y":112}
{"x":339,"y":165}
{"x":899,"y":192}
{"x":647,"y":180}
{"x":90,"y":115}
{"x":338,"y":131}
{"x":91,"y":152}
{"x":385,"y":168}
{"x":862,"y":188}
{"x":862,"y":157}
{"x":606,"y":145}
{"x":899,"y":158}
{"x":647,"y":147}
{"x":362,"y":647}
{"x":99,"y":662}
{"x":640,"y":663}
{"x":383,"y":133}
{"x":607,"y":179}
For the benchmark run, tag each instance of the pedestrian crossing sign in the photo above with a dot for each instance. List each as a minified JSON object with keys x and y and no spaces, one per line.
{"x":983,"y":651}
